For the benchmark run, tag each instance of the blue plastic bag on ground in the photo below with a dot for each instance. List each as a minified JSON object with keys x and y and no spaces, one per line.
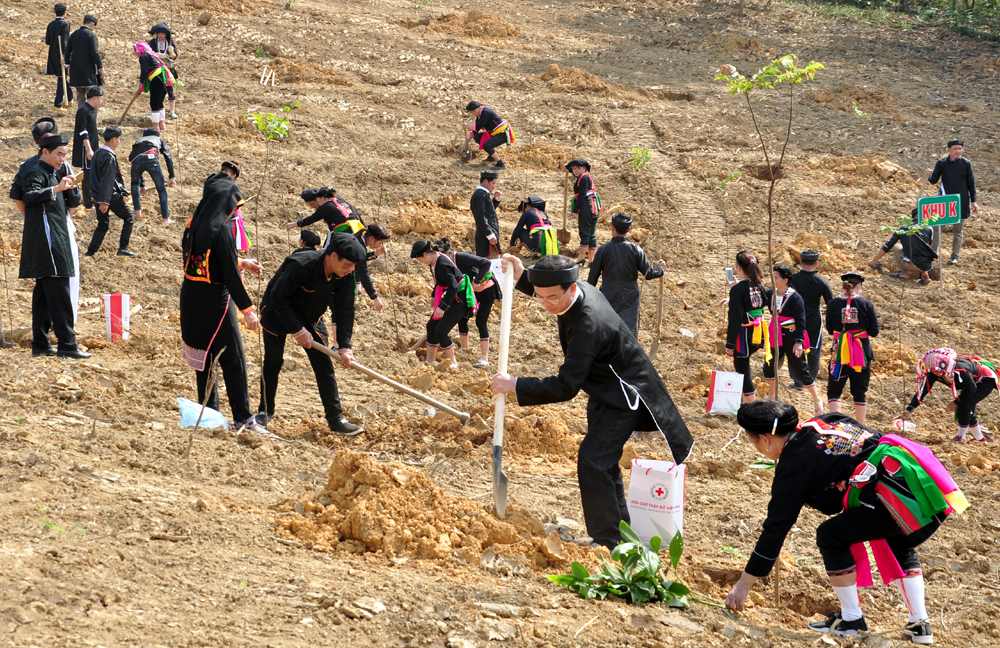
{"x":189,"y":415}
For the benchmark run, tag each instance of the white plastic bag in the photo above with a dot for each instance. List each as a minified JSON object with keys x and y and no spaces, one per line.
{"x":725,"y":393}
{"x":189,"y":415}
{"x":656,"y":499}
{"x":495,"y":267}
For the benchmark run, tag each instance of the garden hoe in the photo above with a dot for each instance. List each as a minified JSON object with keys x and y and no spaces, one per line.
{"x":499,"y":479}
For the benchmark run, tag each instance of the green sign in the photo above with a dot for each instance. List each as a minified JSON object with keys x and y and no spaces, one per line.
{"x":937,"y":211}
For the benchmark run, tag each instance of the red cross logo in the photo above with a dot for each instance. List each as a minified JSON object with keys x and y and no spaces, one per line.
{"x":658,"y":491}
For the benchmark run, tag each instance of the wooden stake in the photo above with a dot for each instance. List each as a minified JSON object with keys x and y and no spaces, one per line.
{"x":213,"y":376}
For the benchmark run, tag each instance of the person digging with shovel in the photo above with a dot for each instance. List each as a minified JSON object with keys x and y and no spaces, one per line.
{"x":533,"y":229}
{"x":604,"y":359}
{"x":491,"y":131}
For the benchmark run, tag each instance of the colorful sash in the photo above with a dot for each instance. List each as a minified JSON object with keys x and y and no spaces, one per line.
{"x":848,"y":352}
{"x":465,"y":296}
{"x":784,"y":323}
{"x":351,"y":226}
{"x":547,"y":242}
{"x":243,"y":242}
{"x":164,"y":73}
{"x":760,"y":333}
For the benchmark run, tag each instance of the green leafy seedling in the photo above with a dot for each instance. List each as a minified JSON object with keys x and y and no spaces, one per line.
{"x":640,"y":158}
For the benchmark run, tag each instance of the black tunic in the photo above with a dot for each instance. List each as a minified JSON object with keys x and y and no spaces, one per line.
{"x":859,"y":315}
{"x":916,"y":247}
{"x":484,"y":211}
{"x":621,"y":261}
{"x":299,"y":294}
{"x":84,"y":59}
{"x":45,"y":239}
{"x":56,"y":37}
{"x":447,"y":276}
{"x":85,"y":127}
{"x":792,"y":306}
{"x":476,"y":268}
{"x":584,"y":204}
{"x":604,"y":359}
{"x":488,"y":120}
{"x":333,"y":212}
{"x":813,"y":287}
{"x":106,"y":177}
{"x":812,"y":471}
{"x":966,"y":380}
{"x":746,"y":303}
{"x":956,"y":177}
{"x":532,"y":217}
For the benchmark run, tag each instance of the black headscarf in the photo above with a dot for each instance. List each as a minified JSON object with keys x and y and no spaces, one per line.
{"x":219,"y":200}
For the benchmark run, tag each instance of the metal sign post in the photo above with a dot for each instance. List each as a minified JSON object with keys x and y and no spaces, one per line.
{"x":938,"y":211}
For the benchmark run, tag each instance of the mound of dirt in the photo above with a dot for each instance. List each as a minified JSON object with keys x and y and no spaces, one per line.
{"x":574,"y":79}
{"x":303,"y":72}
{"x":539,"y":155}
{"x":396,"y":511}
{"x":474,"y":24}
{"x":231,"y":6}
{"x":430,"y":215}
{"x":831,"y":260}
{"x":887,"y":360}
{"x":735,"y":45}
{"x":846,"y":96}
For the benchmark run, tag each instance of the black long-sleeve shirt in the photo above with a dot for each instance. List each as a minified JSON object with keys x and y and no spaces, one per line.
{"x":966,"y":379}
{"x":744,"y":297}
{"x":858,"y":314}
{"x":447,"y":276}
{"x":85,"y":128}
{"x":487,"y":120}
{"x":56,"y":37}
{"x":484,"y":211}
{"x":106,"y":177}
{"x":957,"y":177}
{"x":813,"y":287}
{"x":792,"y":305}
{"x":474,"y":267}
{"x":153,"y":145}
{"x":533,"y":217}
{"x":916,"y":247}
{"x":621,"y":261}
{"x":584,"y":204}
{"x":333,"y":212}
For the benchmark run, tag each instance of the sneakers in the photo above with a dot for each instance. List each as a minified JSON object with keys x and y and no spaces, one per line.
{"x":125,"y":252}
{"x":795,"y":386}
{"x":173,"y":115}
{"x":168,"y":221}
{"x":920,"y":632}
{"x":345,"y":428}
{"x":836,"y":625}
{"x":953,"y":260}
{"x":499,"y":166}
{"x":480,"y":364}
{"x":958,"y":439}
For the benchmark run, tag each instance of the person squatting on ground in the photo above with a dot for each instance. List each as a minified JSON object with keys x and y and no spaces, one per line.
{"x":329,"y":208}
{"x":47,"y":249}
{"x":211,"y":293}
{"x":454,"y":298}
{"x":788,"y":336}
{"x":164,"y":46}
{"x":585,"y":207}
{"x":308,"y":240}
{"x":108,"y":191}
{"x":746,"y":331}
{"x":604,"y":359}
{"x":971,"y":380}
{"x":490,"y":131}
{"x":145,"y":157}
{"x":86,"y":70}
{"x":297,"y":297}
{"x":956,"y":177}
{"x":851,"y":320}
{"x":57,"y":37}
{"x":86,"y":140}
{"x":484,"y":202}
{"x":812,"y":287}
{"x":533,"y":229}
{"x":881,"y":489}
{"x":155,"y":78}
{"x":484,"y":285}
{"x":621,"y":261}
{"x":914,"y":254}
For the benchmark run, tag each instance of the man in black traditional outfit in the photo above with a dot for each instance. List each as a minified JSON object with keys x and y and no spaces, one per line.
{"x":109,"y":193}
{"x":86,"y":139}
{"x":621,"y":261}
{"x":604,"y":359}
{"x":484,"y":203}
{"x":306,"y":284}
{"x":39,"y":129}
{"x":813,"y":287}
{"x":46,"y":252}
{"x":85,"y":67}
{"x":57,"y":37}
{"x":956,"y":176}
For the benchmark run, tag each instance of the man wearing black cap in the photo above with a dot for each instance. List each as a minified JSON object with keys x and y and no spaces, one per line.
{"x":956,"y":177}
{"x":484,"y":203}
{"x":86,"y":137}
{"x":604,"y":359}
{"x":533,"y":229}
{"x":585,"y":207}
{"x":490,"y":130}
{"x":914,"y":254}
{"x":109,"y":193}
{"x":306,"y":284}
{"x":46,"y":250}
{"x":808,"y":283}
{"x":39,"y":129}
{"x":621,"y":261}
{"x":145,"y":157}
{"x":85,"y":67}
{"x":56,"y":37}
{"x":163,"y":45}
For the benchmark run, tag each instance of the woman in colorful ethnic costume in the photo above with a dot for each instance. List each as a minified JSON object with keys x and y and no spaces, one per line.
{"x":154,"y":77}
{"x":479,"y":271}
{"x":881,"y":489}
{"x":746,"y":331}
{"x":788,"y":336}
{"x":970,"y":380}
{"x":212,"y":292}
{"x":454,"y":299}
{"x":851,"y":320}
{"x":586,"y":207}
{"x":533,"y":229}
{"x":490,"y":130}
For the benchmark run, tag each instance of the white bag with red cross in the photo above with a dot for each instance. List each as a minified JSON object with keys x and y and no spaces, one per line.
{"x":656,"y":499}
{"x":116,"y":316}
{"x":725,"y":393}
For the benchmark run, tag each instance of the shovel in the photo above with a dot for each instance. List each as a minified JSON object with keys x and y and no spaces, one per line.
{"x":136,"y":96}
{"x":563,"y":234}
{"x":659,"y":318}
{"x":499,"y":479}
{"x":465,"y":153}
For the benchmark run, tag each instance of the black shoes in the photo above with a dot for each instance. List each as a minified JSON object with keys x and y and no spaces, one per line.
{"x":795,"y":386}
{"x":920,"y":632}
{"x":836,"y":625}
{"x":44,"y":352}
{"x":75,"y":353}
{"x":125,"y":252}
{"x":499,"y":166}
{"x":263,"y":419}
{"x":345,"y":428}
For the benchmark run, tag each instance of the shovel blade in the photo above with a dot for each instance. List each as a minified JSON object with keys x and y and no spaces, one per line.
{"x":564,"y":236}
{"x":499,"y":483}
{"x":653,"y":349}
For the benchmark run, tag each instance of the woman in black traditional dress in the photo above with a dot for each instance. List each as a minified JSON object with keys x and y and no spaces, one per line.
{"x":154,"y":77}
{"x":851,"y":320}
{"x":453,"y":297}
{"x":788,"y":337}
{"x":747,"y":330}
{"x":479,"y":271}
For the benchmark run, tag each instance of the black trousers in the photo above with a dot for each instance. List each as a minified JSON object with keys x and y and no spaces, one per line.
{"x":486,"y":300}
{"x":322,"y":366}
{"x":966,"y":411}
{"x":742,"y":366}
{"x":630,"y":315}
{"x":835,"y":537}
{"x":533,"y":241}
{"x":233,"y":364}
{"x":121,"y":210}
{"x":150,"y":165}
{"x":587,"y":223}
{"x":859,"y":385}
{"x":483,"y":245}
{"x":52,"y":309}
{"x":88,"y":200}
{"x":598,"y":472}
{"x":60,"y":92}
{"x":493,"y":142}
{"x":798,"y":368}
{"x":438,"y":330}
{"x":815,"y":355}
{"x":157,"y":93}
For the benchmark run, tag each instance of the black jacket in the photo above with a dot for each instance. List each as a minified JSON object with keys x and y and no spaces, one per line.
{"x":84,"y":59}
{"x":813,"y":287}
{"x":299,"y":294}
{"x":484,"y":211}
{"x":333,"y":212}
{"x":858,"y":314}
{"x":746,"y":303}
{"x":71,"y":197}
{"x":85,"y":127}
{"x":604,"y":359}
{"x":56,"y":37}
{"x":488,"y":120}
{"x":956,"y":177}
{"x":966,"y":379}
{"x":584,"y":204}
{"x":45,"y":243}
{"x":916,"y":248}
{"x":620,"y":261}
{"x":152,"y":145}
{"x":105,"y":176}
{"x":532,"y":217}
{"x":792,"y":306}
{"x":447,"y":276}
{"x":477,"y":268}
